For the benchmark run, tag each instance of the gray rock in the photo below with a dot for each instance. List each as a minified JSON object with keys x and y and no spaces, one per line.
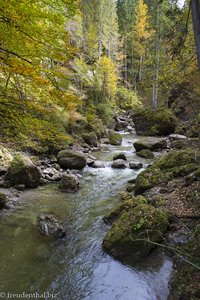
{"x":120,"y":156}
{"x":90,"y":162}
{"x":23,"y":171}
{"x":56,"y":166}
{"x":105,"y":141}
{"x":129,"y":128}
{"x":119,"y":164}
{"x":145,"y":154}
{"x":71,"y":160}
{"x":20,"y":187}
{"x":176,"y":137}
{"x":49,"y":225}
{"x":104,"y":147}
{"x":69,"y":183}
{"x":51,"y":174}
{"x":3,"y":170}
{"x":98,"y":164}
{"x":135,"y":165}
{"x":152,"y":144}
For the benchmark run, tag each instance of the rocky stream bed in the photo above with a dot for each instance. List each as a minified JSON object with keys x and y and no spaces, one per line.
{"x":75,"y":266}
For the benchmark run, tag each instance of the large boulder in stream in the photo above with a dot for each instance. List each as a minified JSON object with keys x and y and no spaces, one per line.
{"x":98,"y":164}
{"x":135,"y":233}
{"x":119,"y":164}
{"x":115,"y":138}
{"x":152,"y":144}
{"x":49,"y":225}
{"x":135,"y":165}
{"x":150,"y":122}
{"x":71,"y":160}
{"x":69,"y":183}
{"x":120,"y":156}
{"x":23,"y":171}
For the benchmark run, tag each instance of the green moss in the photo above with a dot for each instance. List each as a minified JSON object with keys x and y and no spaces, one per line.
{"x":129,"y":202}
{"x":23,"y":171}
{"x":154,"y":122}
{"x":132,"y":231}
{"x":17,"y":163}
{"x":173,"y":165}
{"x":114,"y":138}
{"x":151,"y":177}
{"x":176,"y":159}
{"x":179,"y":144}
{"x":98,"y":127}
{"x":145,"y":153}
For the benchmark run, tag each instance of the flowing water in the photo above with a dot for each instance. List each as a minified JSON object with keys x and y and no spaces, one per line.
{"x":76,"y":268}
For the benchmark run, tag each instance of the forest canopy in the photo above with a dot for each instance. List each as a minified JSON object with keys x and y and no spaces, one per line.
{"x":67,"y":62}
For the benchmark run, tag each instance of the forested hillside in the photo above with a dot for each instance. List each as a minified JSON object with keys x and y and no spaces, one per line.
{"x":65,"y":63}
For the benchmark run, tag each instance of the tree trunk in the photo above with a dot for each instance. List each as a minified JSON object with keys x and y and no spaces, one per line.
{"x":126,"y":62}
{"x":140,"y":68}
{"x":196,"y":25}
{"x":157,"y":60}
{"x":100,"y":46}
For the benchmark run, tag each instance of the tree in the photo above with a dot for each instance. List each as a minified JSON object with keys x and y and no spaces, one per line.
{"x":141,"y":33}
{"x":35,"y":99}
{"x":196,"y":24}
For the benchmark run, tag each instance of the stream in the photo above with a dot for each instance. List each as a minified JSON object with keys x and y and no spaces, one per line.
{"x":76,"y":268}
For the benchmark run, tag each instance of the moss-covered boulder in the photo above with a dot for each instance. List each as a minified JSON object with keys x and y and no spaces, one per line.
{"x":135,"y":232}
{"x":71,"y":160}
{"x":115,"y":138}
{"x":179,"y":144}
{"x":120,"y":156}
{"x":128,"y":203}
{"x":149,"y":122}
{"x":145,"y":153}
{"x":173,"y":165}
{"x":23,"y":171}
{"x":152,"y":144}
{"x":135,"y":165}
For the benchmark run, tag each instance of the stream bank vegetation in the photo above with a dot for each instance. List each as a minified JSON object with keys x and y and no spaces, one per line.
{"x":67,"y":69}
